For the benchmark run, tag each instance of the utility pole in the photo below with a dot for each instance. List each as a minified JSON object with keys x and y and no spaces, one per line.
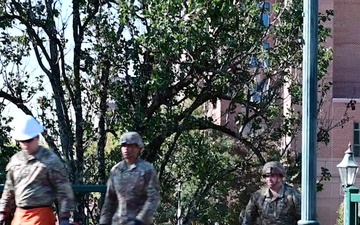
{"x":309,"y":113}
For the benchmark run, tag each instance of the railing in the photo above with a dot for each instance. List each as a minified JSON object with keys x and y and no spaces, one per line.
{"x":352,"y":199}
{"x":88,"y":203}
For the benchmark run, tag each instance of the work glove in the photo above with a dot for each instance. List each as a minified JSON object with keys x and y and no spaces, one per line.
{"x":135,"y":222}
{"x":64,"y":222}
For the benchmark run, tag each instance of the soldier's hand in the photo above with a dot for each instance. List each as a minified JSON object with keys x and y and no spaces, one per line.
{"x":64,"y":222}
{"x":2,"y":218}
{"x":135,"y":222}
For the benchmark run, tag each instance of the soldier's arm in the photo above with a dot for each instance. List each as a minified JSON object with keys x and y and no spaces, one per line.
{"x":251,"y":212}
{"x":153,"y":196}
{"x":7,"y":202}
{"x":59,"y":180}
{"x":110,"y":203}
{"x":241,"y":216}
{"x":297,"y":204}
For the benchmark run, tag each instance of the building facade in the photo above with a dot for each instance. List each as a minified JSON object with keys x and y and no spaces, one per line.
{"x":342,"y":103}
{"x":344,"y":72}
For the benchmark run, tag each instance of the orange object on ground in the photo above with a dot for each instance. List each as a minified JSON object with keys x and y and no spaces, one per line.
{"x":36,"y":216}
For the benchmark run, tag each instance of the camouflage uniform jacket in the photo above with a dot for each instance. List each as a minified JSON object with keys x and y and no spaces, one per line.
{"x":132,"y":193}
{"x":36,"y":180}
{"x":283,"y":209}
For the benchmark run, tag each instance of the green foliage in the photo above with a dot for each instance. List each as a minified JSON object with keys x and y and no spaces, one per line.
{"x":325,"y":176}
{"x":163,"y":64}
{"x":340,"y":214}
{"x":294,"y":173}
{"x":6,"y":149}
{"x":202,"y":178}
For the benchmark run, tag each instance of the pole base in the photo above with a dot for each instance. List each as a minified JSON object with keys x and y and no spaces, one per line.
{"x":308,"y":222}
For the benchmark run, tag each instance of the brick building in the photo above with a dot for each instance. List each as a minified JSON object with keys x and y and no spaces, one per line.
{"x":344,"y":72}
{"x":346,"y":87}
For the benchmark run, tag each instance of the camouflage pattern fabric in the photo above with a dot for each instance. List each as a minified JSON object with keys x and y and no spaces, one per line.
{"x":283,"y":209}
{"x":132,"y":137}
{"x":273,"y":167}
{"x":36,"y":180}
{"x":132,"y":193}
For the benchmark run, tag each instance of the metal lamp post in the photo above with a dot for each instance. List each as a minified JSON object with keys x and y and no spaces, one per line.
{"x":348,"y":169}
{"x":309,"y":113}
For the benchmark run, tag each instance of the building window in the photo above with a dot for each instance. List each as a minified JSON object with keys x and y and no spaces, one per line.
{"x":254,"y":62}
{"x":266,"y":19}
{"x":260,"y":89}
{"x":260,"y":86}
{"x":264,"y":63}
{"x":266,"y":47}
{"x":356,"y":147}
{"x":265,"y":13}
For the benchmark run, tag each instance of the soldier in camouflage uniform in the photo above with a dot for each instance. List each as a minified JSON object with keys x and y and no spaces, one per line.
{"x":276,"y":204}
{"x":35,"y":177}
{"x":132,"y":194}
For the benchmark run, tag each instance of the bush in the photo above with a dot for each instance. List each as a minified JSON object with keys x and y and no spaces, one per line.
{"x":340,"y":213}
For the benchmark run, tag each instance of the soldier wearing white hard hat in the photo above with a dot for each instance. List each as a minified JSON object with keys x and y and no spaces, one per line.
{"x":27,"y":128}
{"x":35,"y":178}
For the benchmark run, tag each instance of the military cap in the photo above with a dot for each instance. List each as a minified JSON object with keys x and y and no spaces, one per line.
{"x":273,"y":167}
{"x":132,"y":137}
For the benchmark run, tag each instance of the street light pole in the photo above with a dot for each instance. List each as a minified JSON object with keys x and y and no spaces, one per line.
{"x":348,"y":169}
{"x":309,"y":113}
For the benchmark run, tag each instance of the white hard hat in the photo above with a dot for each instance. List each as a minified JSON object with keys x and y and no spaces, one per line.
{"x":27,"y":127}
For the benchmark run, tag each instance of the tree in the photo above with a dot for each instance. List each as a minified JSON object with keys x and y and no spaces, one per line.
{"x":205,"y":178}
{"x":6,"y":149}
{"x":340,"y":211}
{"x":41,"y":25}
{"x":159,"y":62}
